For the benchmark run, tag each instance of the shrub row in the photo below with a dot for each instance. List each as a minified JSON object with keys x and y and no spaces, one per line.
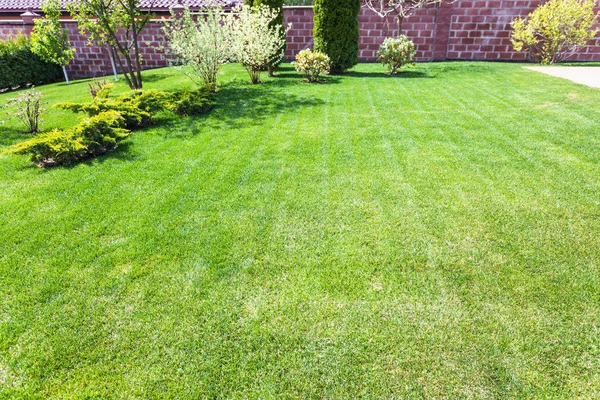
{"x":20,"y":67}
{"x":109,"y":120}
{"x":92,"y":137}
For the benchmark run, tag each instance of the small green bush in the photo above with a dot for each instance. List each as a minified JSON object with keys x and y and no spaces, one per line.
{"x":336,"y":32}
{"x":311,"y":64}
{"x":193,"y":102}
{"x":19,"y":67}
{"x":92,"y":137}
{"x":395,"y":53}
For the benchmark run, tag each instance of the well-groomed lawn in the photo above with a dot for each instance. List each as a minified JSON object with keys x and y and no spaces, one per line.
{"x":434,"y":235}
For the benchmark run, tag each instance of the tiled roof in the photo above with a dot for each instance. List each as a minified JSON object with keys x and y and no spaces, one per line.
{"x":34,"y":5}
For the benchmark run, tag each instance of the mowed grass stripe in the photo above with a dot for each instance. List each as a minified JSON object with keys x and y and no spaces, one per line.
{"x":424,"y":236}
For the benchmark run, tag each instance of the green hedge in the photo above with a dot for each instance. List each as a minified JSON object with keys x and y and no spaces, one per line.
{"x":19,"y":67}
{"x":336,"y":32}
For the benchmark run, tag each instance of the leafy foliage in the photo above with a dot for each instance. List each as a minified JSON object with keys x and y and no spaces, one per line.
{"x":311,"y":64}
{"x":20,"y":67}
{"x":118,"y":24}
{"x":92,"y":137}
{"x":256,"y":43}
{"x":193,"y":102}
{"x":277,"y":23}
{"x":336,"y":32}
{"x":555,"y":30}
{"x":395,"y":53}
{"x":27,"y":108}
{"x":201,"y":46}
{"x":49,"y":40}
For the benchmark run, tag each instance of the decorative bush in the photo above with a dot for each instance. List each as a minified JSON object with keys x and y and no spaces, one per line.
{"x":92,"y":137}
{"x":395,"y":53}
{"x":27,"y":108}
{"x":192,"y":102}
{"x":136,"y":107}
{"x":336,"y":32}
{"x":277,"y":23}
{"x":200,"y":45}
{"x":256,"y":44}
{"x":311,"y":64}
{"x":555,"y":30}
{"x":19,"y":67}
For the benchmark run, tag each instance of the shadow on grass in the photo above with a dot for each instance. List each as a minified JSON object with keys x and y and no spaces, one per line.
{"x":240,"y":105}
{"x":10,"y":136}
{"x":400,"y":75}
{"x":154,"y":77}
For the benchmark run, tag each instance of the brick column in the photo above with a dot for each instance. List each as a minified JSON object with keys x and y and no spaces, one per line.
{"x":442,"y":31}
{"x":28,"y":18}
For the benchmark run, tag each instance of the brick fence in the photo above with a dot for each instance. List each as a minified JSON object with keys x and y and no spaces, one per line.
{"x":461,"y":30}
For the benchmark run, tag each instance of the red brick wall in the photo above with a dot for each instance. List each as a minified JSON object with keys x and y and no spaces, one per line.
{"x":462,"y":30}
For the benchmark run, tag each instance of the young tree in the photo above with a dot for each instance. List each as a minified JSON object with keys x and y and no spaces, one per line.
{"x":555,"y":30}
{"x":49,"y":40}
{"x":200,"y":46}
{"x":400,"y":8}
{"x":336,"y":32}
{"x":118,"y":24}
{"x":256,"y":43}
{"x":276,"y":23}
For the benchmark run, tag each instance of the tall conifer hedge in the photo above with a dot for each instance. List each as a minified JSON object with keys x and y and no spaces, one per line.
{"x":336,"y":32}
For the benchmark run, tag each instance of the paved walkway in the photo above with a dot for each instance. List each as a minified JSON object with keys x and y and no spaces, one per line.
{"x":589,"y":76}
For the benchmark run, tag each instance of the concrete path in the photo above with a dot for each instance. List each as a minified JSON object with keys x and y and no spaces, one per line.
{"x":589,"y":76}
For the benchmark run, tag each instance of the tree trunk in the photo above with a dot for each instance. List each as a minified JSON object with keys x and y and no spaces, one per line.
{"x":112,"y":62}
{"x":400,"y":20}
{"x":64,"y":68}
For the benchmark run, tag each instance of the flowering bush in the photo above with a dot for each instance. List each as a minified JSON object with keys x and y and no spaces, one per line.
{"x":201,"y":45}
{"x":27,"y":108}
{"x":395,"y":53}
{"x":257,"y":43}
{"x":311,"y":64}
{"x":556,"y":29}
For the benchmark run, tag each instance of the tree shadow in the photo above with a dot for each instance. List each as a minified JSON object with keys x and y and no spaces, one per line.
{"x":11,"y":136}
{"x":288,"y":72}
{"x":400,"y":75}
{"x":154,"y":77}
{"x":241,"y":106}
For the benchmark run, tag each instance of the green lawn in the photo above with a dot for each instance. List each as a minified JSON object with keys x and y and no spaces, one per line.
{"x":433,"y":235}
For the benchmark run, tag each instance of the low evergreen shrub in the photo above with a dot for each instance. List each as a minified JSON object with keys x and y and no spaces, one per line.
{"x":136,"y":107}
{"x":193,"y":102}
{"x":92,"y":137}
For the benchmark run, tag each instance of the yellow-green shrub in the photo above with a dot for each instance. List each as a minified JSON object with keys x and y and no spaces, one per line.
{"x":555,"y":30}
{"x":311,"y":64}
{"x":192,"y":102}
{"x":136,"y":107}
{"x":93,"y":136}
